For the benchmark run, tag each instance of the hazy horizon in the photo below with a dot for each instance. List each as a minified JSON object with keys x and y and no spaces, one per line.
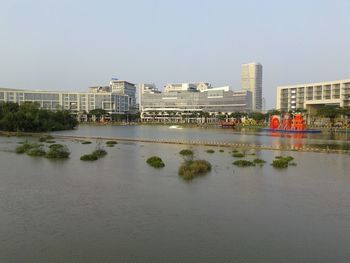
{"x":66,"y":45}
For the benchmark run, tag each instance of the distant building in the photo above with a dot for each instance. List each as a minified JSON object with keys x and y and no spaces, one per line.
{"x":311,"y":96}
{"x":124,"y":88}
{"x":174,"y":87}
{"x":100,"y":97}
{"x":251,"y":79}
{"x":166,"y":105}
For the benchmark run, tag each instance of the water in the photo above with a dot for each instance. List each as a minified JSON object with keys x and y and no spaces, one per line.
{"x":247,"y":136}
{"x":119,"y":209}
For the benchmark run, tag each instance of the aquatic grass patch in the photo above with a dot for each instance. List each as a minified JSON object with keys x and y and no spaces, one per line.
{"x":191,"y":169}
{"x":282,"y":162}
{"x":155,"y":161}
{"x":259,"y":161}
{"x":111,"y":143}
{"x":243,"y":163}
{"x":99,"y":153}
{"x":36,"y":152}
{"x":45,"y":138}
{"x":26,"y":146}
{"x":86,"y":142}
{"x":210,"y":151}
{"x":237,"y":155}
{"x":57,"y":151}
{"x":221,"y":150}
{"x":88,"y":157}
{"x":186,"y":152}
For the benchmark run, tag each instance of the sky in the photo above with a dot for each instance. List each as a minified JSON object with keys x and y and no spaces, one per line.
{"x":74,"y":44}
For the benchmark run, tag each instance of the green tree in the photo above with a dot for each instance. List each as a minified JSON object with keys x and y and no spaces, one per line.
{"x":330,"y":112}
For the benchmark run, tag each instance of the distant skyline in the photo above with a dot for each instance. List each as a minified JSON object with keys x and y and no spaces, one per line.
{"x":71,"y":45}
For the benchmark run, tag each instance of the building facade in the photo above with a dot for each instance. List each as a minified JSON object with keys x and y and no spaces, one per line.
{"x":175,"y":87}
{"x":77,"y":102}
{"x":123,"y":87}
{"x":311,"y":96}
{"x":251,"y":80}
{"x":166,"y":105}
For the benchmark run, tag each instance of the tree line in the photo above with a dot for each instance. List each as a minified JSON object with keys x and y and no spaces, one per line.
{"x":28,"y":117}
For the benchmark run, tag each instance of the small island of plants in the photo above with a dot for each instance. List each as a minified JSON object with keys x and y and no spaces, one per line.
{"x":186,"y":152}
{"x":210,"y":151}
{"x":243,"y":163}
{"x":282,"y":162}
{"x":156,"y":162}
{"x":111,"y":143}
{"x":193,"y":168}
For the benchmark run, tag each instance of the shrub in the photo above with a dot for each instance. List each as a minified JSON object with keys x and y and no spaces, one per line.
{"x":99,"y":153}
{"x":36,"y":151}
{"x":58,"y":152}
{"x":259,"y":161}
{"x":88,"y":157}
{"x":210,"y":151}
{"x":237,"y":155}
{"x":186,"y":152}
{"x":243,"y":163}
{"x":85,"y":142}
{"x":191,"y":169}
{"x":155,"y":162}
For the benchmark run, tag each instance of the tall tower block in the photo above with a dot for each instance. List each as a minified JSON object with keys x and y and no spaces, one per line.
{"x":251,"y":79}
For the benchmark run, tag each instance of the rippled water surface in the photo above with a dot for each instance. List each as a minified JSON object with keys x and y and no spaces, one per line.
{"x":119,"y":209}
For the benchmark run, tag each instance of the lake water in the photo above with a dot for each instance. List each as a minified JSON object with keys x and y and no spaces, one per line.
{"x":246,"y":136}
{"x":119,"y":209}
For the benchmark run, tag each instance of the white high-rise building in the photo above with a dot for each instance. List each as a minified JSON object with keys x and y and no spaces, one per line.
{"x":251,"y":80}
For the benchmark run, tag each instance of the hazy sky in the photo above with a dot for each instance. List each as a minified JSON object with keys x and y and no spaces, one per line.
{"x":74,"y":44}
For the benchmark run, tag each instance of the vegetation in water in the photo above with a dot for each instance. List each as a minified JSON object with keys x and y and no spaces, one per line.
{"x":155,"y":162}
{"x":259,"y":161}
{"x":36,"y":151}
{"x":99,"y":153}
{"x":282,"y":162}
{"x":111,"y":143}
{"x":186,"y":152}
{"x":191,"y":169}
{"x":57,"y":151}
{"x":238,"y":155}
{"x":85,"y":142}
{"x":243,"y":163}
{"x":221,"y":150}
{"x":26,"y":146}
{"x":88,"y":157}
{"x":50,"y":141}
{"x":45,"y":138}
{"x":28,"y":117}
{"x":210,"y":151}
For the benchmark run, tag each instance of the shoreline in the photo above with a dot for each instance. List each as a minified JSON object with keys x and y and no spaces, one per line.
{"x":181,"y":142}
